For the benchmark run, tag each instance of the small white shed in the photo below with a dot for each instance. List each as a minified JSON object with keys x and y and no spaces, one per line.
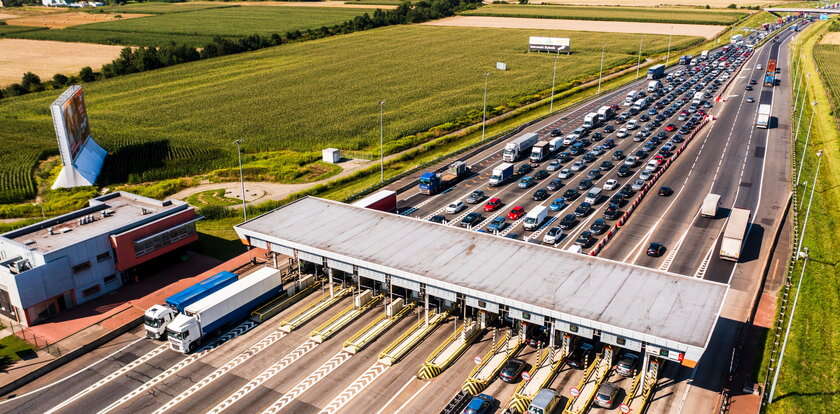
{"x":331,"y":155}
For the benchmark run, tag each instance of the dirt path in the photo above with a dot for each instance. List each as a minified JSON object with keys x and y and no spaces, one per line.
{"x":706,"y":31}
{"x":46,"y":58}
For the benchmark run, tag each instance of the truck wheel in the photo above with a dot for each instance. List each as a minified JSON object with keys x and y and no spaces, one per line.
{"x":191,"y":347}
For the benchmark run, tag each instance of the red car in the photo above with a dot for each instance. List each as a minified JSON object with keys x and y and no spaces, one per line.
{"x":670,"y":127}
{"x":492,"y":204}
{"x":516,"y":213}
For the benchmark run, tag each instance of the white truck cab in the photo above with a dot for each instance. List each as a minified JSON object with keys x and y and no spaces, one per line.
{"x":155,"y":320}
{"x":183,"y":333}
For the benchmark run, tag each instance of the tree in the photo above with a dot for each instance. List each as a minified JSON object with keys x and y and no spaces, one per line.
{"x":59,"y":80}
{"x":31,"y":82}
{"x":523,"y":1}
{"x":87,"y":75}
{"x":731,"y":6}
{"x":15,"y":89}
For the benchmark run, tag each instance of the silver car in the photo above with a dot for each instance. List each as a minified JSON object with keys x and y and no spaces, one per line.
{"x":565,"y":173}
{"x":577,"y":166}
{"x":637,"y":184}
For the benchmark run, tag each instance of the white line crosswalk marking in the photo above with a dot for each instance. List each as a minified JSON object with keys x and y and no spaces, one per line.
{"x":331,"y":365}
{"x":355,"y":388}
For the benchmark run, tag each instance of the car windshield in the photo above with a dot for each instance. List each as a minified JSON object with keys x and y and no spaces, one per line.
{"x":176,"y":335}
{"x":152,"y":322}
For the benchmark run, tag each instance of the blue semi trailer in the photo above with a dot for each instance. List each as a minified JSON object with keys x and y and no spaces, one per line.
{"x":158,"y":316}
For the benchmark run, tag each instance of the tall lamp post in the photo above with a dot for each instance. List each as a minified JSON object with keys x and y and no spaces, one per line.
{"x":381,"y":141}
{"x":553,"y":79}
{"x":484,"y":107}
{"x":600,"y":71}
{"x":639,"y":62}
{"x":238,"y":143}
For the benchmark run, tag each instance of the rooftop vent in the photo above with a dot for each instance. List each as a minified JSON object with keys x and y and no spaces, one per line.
{"x":65,"y":230}
{"x":107,"y":213}
{"x":29,"y":242}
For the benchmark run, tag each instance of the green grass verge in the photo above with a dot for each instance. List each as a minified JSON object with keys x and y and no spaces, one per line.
{"x":323,"y":93}
{"x":161,"y":8}
{"x":216,"y":238}
{"x":627,"y":14}
{"x":808,"y":381}
{"x":10,"y":346}
{"x":6,"y":30}
{"x":110,"y":37}
{"x":211,"y":198}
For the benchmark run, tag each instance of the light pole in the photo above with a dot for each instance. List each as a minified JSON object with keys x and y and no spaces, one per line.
{"x":484,"y":107}
{"x":601,"y":70}
{"x":810,"y":200}
{"x":381,"y":141}
{"x":238,"y":143}
{"x":639,"y":62}
{"x":804,"y":149}
{"x":668,"y":56}
{"x":553,"y":79}
{"x":787,"y":331}
{"x":801,"y":112}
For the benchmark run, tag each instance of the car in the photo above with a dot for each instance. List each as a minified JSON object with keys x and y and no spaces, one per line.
{"x":512,"y":370}
{"x":584,"y":185}
{"x":627,"y":363}
{"x":582,"y":355}
{"x":524,"y":169}
{"x":594,"y":174}
{"x":610,"y":184}
{"x":605,"y":397}
{"x":455,"y":207}
{"x":618,"y":155}
{"x":438,"y":219}
{"x":599,"y":226}
{"x":540,"y":195}
{"x":670,"y":127}
{"x":621,"y":133}
{"x":583,"y":209}
{"x":637,"y":184}
{"x":566,"y":173}
{"x":541,"y":175}
{"x":577,"y":166}
{"x":480,"y":404}
{"x":609,"y":128}
{"x":632,"y":124}
{"x":516,"y":213}
{"x":644,"y":118}
{"x":564,"y":157}
{"x":613,"y":213}
{"x":526,"y":182}
{"x":753,"y":82}
{"x":665,"y":191}
{"x":631,"y":161}
{"x":576,"y":150}
{"x":553,"y":165}
{"x":556,"y":132}
{"x":757,"y":67}
{"x":580,"y":132}
{"x":555,"y":184}
{"x":750,"y":99}
{"x":606,"y":166}
{"x":748,"y":88}
{"x":557,"y":205}
{"x":655,"y":249}
{"x":646,"y":175}
{"x":585,"y":239}
{"x":476,"y":197}
{"x":514,"y":236}
{"x":497,"y":224}
{"x":598,"y":150}
{"x":568,"y":221}
{"x":624,"y":171}
{"x":493,"y":204}
{"x":626,"y":192}
{"x":471,"y":219}
{"x":589,"y":157}
{"x":597,"y":136}
{"x":571,"y":194}
{"x":609,"y":143}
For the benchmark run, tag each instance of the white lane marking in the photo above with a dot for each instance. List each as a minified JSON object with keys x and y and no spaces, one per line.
{"x":224,"y":369}
{"x":109,"y":356}
{"x":405,"y":404}
{"x":264,"y":376}
{"x":112,"y":376}
{"x":239,"y":330}
{"x":352,"y":390}
{"x":397,"y":394}
{"x":331,"y":365}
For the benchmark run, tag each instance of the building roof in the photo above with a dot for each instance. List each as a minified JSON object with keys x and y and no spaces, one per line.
{"x":647,"y":302}
{"x":107,"y":214}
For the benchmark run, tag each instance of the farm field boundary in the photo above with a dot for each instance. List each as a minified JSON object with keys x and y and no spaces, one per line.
{"x":627,"y":14}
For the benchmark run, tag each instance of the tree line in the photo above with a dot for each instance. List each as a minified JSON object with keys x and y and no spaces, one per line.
{"x":141,"y":59}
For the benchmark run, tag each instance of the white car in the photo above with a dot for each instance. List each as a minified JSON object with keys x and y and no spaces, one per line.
{"x":621,"y":133}
{"x":631,"y":161}
{"x":455,"y":207}
{"x":757,"y":67}
{"x":646,"y":175}
{"x":652,"y":166}
{"x":553,"y":235}
{"x":632,"y":124}
{"x":611,"y":184}
{"x":577,"y":166}
{"x":565,"y":173}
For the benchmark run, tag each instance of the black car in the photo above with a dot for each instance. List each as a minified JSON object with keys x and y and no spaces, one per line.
{"x":540,"y":195}
{"x":613,"y":213}
{"x":564,"y":157}
{"x":589,"y":157}
{"x":512,"y":370}
{"x":568,"y":221}
{"x":555,"y":184}
{"x":556,"y":132}
{"x":609,"y":128}
{"x":437,"y":219}
{"x":471,"y":219}
{"x":606,"y":166}
{"x":571,"y":194}
{"x":583,"y":209}
{"x":626,"y":191}
{"x":665,"y":191}
{"x":524,"y":169}
{"x":627,"y":363}
{"x":594,"y":173}
{"x":610,"y":143}
{"x":644,"y":118}
{"x":576,"y":150}
{"x":585,"y":239}
{"x":599,"y":226}
{"x":655,"y":250}
{"x":597,"y":136}
{"x":582,"y":355}
{"x":624,"y":171}
{"x":541,"y":175}
{"x":584,"y":185}
{"x":618,"y":155}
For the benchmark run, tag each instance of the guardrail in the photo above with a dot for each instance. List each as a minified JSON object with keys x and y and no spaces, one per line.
{"x":588,"y":385}
{"x":447,"y":352}
{"x":306,"y":314}
{"x":373,"y":330}
{"x":540,"y":377}
{"x":638,"y":404}
{"x":340,"y":320}
{"x":476,"y":382}
{"x":408,"y":340}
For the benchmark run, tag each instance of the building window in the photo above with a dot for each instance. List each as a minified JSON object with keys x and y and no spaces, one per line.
{"x":526,"y":316}
{"x":663,"y":352}
{"x":174,"y":235}
{"x":110,"y":279}
{"x":482,"y":304}
{"x":573,"y":328}
{"x":103,"y":257}
{"x":621,"y":341}
{"x":91,"y":291}
{"x":81,"y":267}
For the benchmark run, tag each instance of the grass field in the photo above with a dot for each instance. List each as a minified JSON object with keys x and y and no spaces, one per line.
{"x":323,"y":93}
{"x":808,"y":382}
{"x":196,"y":27}
{"x":162,"y":8}
{"x":9,"y":29}
{"x":10,"y":346}
{"x":628,"y":14}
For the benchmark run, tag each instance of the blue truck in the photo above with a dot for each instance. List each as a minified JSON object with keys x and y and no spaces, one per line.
{"x":223,"y":308}
{"x":158,"y":316}
{"x":433,"y":183}
{"x":656,"y":72}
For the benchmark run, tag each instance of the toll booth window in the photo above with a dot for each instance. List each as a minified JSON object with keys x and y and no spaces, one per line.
{"x":482,"y":304}
{"x":620,"y":341}
{"x":663,"y":352}
{"x":526,"y":316}
{"x":573,"y":328}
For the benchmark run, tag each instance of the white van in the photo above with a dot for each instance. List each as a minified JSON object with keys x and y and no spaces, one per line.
{"x":632,"y":124}
{"x":593,"y":195}
{"x":535,"y":217}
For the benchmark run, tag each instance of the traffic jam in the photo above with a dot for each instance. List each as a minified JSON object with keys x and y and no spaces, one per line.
{"x":569,"y":188}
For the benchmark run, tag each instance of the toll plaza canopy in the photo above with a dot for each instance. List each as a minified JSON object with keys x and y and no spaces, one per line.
{"x":634,"y":303}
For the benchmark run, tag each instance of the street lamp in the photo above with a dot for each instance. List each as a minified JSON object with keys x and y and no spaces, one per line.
{"x":484,"y":107}
{"x":639,"y":62}
{"x":238,"y":143}
{"x":668,"y":56}
{"x":553,"y":79}
{"x":601,"y":70}
{"x":804,"y":149}
{"x":381,"y":141}
{"x":810,"y":200}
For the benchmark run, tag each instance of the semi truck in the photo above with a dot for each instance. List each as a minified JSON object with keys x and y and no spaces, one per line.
{"x":653,"y":86}
{"x":736,"y":38}
{"x":605,"y":113}
{"x":734,"y":234}
{"x":656,"y":72}
{"x":433,"y":183}
{"x":157,"y":317}
{"x":520,"y":146}
{"x":590,"y":120}
{"x":686,"y":59}
{"x":501,"y":174}
{"x":535,"y":217}
{"x":540,"y":151}
{"x":770,"y":76}
{"x":763,"y":119}
{"x":384,"y":200}
{"x":710,"y":205}
{"x":555,"y":144}
{"x":222,"y":308}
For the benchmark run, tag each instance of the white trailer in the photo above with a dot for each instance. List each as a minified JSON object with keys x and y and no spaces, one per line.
{"x":590,"y":120}
{"x":519,"y":146}
{"x":605,"y":113}
{"x":710,"y":205}
{"x":734,"y":234}
{"x":763,"y":119}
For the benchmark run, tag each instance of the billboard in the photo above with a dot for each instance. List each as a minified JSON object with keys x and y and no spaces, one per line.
{"x":70,"y":120}
{"x":549,"y":44}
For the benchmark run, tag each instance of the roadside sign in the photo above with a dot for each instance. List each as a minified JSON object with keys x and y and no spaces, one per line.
{"x":574,"y":392}
{"x":477,"y":360}
{"x":624,"y":408}
{"x":525,"y":375}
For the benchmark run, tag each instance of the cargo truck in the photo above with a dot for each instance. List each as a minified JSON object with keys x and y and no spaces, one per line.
{"x":653,"y":86}
{"x":710,"y":205}
{"x":736,"y":38}
{"x":501,"y":174}
{"x":770,"y":76}
{"x":157,"y":317}
{"x":685,"y":60}
{"x":734,"y":234}
{"x":590,"y":120}
{"x":535,"y":217}
{"x":555,"y":144}
{"x":539,"y":152}
{"x":520,"y":146}
{"x":656,"y":72}
{"x":763,"y":119}
{"x":222,"y":308}
{"x":605,"y":113}
{"x":433,"y":183}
